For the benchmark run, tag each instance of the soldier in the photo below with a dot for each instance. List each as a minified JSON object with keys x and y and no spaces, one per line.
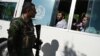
{"x":21,"y":37}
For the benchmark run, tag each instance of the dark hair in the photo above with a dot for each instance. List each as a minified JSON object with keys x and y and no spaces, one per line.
{"x":63,"y":14}
{"x":27,"y":7}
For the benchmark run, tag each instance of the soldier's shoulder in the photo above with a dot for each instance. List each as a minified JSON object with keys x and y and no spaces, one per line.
{"x":16,"y":21}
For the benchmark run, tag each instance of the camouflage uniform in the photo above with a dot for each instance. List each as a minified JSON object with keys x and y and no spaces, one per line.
{"x":21,"y":38}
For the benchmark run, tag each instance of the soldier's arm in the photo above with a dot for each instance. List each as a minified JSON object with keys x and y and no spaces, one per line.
{"x":13,"y":30}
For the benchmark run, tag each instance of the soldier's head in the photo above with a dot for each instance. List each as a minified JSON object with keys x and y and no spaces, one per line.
{"x":29,"y":9}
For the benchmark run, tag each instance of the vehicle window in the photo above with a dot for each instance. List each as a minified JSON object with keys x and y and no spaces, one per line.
{"x":44,"y":11}
{"x":47,"y":12}
{"x":86,"y":16}
{"x":60,"y":18}
{"x":7,"y":10}
{"x":95,"y":17}
{"x":79,"y":13}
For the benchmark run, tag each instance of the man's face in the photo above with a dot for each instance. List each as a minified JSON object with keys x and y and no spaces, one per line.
{"x":32,"y":13}
{"x":59,"y":16}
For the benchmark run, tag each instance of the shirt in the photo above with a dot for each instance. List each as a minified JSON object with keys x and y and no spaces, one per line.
{"x":62,"y":24}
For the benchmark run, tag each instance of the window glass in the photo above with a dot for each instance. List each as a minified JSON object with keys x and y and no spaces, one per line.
{"x":47,"y":11}
{"x":86,"y":16}
{"x":62,"y":14}
{"x":44,"y":11}
{"x":79,"y":13}
{"x":7,"y":10}
{"x":94,"y":26}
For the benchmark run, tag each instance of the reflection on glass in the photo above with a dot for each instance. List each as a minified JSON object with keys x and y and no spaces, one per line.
{"x":7,"y":10}
{"x":44,"y":11}
{"x":95,"y":17}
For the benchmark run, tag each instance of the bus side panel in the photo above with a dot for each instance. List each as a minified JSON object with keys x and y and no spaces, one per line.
{"x":61,"y":42}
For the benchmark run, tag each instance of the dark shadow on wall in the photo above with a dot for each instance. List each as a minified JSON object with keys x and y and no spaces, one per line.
{"x":50,"y":49}
{"x":70,"y":52}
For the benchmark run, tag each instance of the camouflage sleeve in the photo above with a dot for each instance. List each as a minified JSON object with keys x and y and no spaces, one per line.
{"x":14,"y":27}
{"x":13,"y":30}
